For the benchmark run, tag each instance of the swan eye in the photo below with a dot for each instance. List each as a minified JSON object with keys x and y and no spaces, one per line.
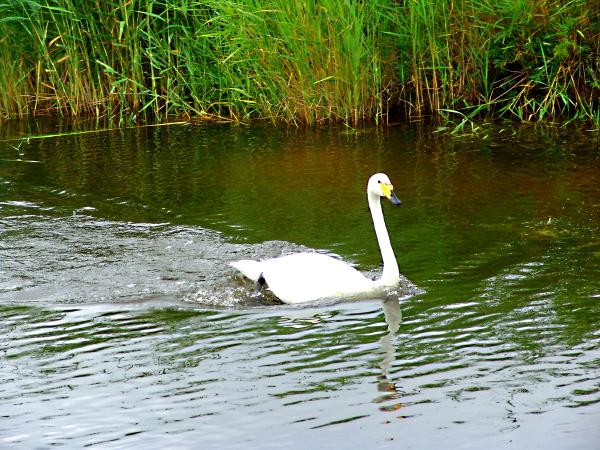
{"x":379,"y":181}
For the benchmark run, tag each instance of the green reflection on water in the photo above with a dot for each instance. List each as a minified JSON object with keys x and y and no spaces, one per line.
{"x":505,"y":222}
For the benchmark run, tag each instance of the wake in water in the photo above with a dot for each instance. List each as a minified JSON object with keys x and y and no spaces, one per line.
{"x":82,"y":259}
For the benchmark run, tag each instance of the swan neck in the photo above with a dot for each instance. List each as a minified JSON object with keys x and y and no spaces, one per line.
{"x":391,"y":273}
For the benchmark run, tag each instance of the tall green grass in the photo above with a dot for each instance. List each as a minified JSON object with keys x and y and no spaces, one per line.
{"x":526,"y":59}
{"x":302,"y":61}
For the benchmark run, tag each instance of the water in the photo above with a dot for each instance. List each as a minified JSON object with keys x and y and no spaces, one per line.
{"x":122,"y":326}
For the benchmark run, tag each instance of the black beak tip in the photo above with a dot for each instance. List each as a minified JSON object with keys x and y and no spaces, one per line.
{"x":395,"y":200}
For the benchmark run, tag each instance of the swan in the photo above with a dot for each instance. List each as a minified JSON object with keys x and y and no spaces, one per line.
{"x":305,"y":277}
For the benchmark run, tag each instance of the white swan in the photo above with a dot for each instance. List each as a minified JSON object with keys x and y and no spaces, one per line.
{"x":304,"y":277}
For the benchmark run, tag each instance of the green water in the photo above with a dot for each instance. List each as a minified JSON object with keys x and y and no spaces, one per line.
{"x":122,"y":326}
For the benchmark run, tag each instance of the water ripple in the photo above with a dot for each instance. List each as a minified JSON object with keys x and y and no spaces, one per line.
{"x":172,"y":365}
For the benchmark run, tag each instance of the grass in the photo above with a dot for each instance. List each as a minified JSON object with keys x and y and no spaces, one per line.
{"x":527,"y":59}
{"x":302,"y":62}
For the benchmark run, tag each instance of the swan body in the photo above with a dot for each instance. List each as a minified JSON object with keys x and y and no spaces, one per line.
{"x":305,"y":277}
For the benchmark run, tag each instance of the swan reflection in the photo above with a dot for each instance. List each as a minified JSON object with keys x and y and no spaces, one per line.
{"x":389,"y":390}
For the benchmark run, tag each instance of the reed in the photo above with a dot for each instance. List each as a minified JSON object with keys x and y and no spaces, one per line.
{"x":299,"y":61}
{"x":302,"y":61}
{"x":526,"y":59}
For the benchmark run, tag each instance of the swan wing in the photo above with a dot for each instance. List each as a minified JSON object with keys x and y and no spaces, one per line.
{"x":250,"y":269}
{"x":304,"y":277}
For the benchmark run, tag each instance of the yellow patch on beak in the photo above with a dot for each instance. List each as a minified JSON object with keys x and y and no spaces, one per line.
{"x":387,"y":190}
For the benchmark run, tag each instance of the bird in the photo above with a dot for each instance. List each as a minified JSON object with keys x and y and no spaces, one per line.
{"x":311,"y":276}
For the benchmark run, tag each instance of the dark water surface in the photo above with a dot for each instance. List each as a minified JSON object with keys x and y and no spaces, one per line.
{"x":121,"y":325}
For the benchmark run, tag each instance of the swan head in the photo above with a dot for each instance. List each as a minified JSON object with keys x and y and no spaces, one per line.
{"x":379,"y":185}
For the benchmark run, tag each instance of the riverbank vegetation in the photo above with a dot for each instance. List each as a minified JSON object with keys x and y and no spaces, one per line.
{"x":302,"y":61}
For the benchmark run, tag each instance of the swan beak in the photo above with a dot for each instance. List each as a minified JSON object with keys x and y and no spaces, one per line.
{"x":394,"y":199}
{"x":388,"y":192}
